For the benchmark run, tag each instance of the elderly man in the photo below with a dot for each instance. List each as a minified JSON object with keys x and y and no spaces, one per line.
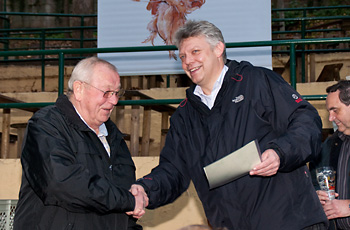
{"x":335,"y":153}
{"x":231,"y":104}
{"x":77,"y":169}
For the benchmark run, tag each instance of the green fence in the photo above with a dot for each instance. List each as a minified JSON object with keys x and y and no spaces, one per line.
{"x":299,"y":17}
{"x":45,"y":34}
{"x":302,"y":18}
{"x":291,"y":44}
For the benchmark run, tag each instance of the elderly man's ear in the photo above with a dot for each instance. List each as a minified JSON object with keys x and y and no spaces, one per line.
{"x":78,"y":90}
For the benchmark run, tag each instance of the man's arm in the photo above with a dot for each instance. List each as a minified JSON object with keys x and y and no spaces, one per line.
{"x":59,"y":178}
{"x":295,"y":120}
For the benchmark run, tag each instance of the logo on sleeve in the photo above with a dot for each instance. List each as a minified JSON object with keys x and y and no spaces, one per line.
{"x":238,"y":99}
{"x":296,"y":98}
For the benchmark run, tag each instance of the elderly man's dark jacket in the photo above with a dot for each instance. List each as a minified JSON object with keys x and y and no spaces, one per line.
{"x":68,"y":181}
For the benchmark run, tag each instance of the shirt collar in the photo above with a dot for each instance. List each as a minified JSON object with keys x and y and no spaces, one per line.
{"x":102,"y":129}
{"x":210,"y":99}
{"x":217,"y":85}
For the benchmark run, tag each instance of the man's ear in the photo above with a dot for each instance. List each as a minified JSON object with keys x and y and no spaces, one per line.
{"x":78,"y":90}
{"x":219,"y":49}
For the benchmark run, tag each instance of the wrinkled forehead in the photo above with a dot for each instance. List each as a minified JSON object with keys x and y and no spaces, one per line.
{"x":104,"y":74}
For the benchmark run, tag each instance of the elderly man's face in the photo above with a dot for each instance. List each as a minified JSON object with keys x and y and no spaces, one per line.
{"x":338,"y":112}
{"x":96,"y":108}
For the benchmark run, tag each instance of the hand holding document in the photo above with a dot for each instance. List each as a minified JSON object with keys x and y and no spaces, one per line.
{"x":234,"y":165}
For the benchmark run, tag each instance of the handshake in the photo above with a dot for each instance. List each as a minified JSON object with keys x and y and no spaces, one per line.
{"x":141,"y":201}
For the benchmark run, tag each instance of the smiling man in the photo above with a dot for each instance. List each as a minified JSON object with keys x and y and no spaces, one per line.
{"x":335,"y":153}
{"x":231,"y":104}
{"x":77,"y":169}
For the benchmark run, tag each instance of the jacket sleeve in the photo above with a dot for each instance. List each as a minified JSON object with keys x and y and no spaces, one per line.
{"x":59,"y":178}
{"x":295,"y":121}
{"x":169,"y":179}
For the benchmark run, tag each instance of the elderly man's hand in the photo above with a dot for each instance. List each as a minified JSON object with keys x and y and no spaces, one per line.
{"x":270,"y":163}
{"x":141,"y":201}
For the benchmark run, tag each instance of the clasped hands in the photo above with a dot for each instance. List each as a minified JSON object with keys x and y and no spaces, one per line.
{"x":141,"y":201}
{"x":268,"y":167}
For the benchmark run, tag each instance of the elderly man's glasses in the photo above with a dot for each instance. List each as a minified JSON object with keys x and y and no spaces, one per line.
{"x":109,"y":93}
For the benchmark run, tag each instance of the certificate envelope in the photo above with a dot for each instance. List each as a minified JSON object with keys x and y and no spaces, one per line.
{"x":234,"y":165}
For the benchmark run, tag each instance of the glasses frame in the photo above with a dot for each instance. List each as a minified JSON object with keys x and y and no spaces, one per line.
{"x":109,"y":93}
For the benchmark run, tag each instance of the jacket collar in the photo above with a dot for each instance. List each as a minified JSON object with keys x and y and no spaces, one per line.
{"x":233,"y":68}
{"x":67,"y":109}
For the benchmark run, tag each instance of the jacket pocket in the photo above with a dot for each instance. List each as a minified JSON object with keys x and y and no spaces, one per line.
{"x":124,"y":172}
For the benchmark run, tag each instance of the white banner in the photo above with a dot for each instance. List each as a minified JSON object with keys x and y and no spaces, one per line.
{"x":132,"y":23}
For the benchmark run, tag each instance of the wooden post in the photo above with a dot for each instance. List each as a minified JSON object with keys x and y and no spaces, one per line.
{"x":164,"y":128}
{"x":21,"y":128}
{"x":5,"y":138}
{"x":119,"y":112}
{"x":312,"y":68}
{"x":134,"y":128}
{"x":151,"y":82}
{"x":146,"y":131}
{"x":128,"y":83}
{"x":144,"y":82}
{"x":307,"y":61}
{"x":298,"y":70}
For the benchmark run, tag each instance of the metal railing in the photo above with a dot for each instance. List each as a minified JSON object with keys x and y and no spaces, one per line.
{"x":45,"y":34}
{"x":291,"y":44}
{"x":303,"y":20}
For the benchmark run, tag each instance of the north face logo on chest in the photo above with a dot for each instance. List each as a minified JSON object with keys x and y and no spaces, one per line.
{"x":238,"y":99}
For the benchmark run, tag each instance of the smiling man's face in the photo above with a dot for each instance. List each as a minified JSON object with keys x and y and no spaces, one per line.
{"x":201,"y":62}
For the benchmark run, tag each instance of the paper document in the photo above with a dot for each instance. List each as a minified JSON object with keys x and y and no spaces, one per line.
{"x":234,"y":165}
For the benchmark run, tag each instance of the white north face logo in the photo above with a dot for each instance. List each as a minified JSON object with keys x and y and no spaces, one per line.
{"x":238,"y":99}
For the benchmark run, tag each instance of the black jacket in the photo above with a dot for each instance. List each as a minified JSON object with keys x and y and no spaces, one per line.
{"x":253,"y":103}
{"x":68,"y":180}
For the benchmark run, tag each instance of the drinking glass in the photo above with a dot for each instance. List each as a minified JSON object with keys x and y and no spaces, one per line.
{"x":326,"y":180}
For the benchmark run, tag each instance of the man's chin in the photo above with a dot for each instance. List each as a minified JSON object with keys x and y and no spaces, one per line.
{"x":105,"y":117}
{"x":342,"y":129}
{"x":345,"y":131}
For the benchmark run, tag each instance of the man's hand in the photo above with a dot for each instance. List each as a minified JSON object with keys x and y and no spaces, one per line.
{"x":141,"y":201}
{"x":270,"y":163}
{"x":323,"y":196}
{"x":337,"y":208}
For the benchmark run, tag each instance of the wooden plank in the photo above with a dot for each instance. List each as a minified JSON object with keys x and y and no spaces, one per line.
{"x":158,"y":108}
{"x":6,"y":99}
{"x":134,"y":130}
{"x":164,"y":128}
{"x":21,"y":127}
{"x":5,"y":138}
{"x":312,"y":68}
{"x":146,"y":131}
